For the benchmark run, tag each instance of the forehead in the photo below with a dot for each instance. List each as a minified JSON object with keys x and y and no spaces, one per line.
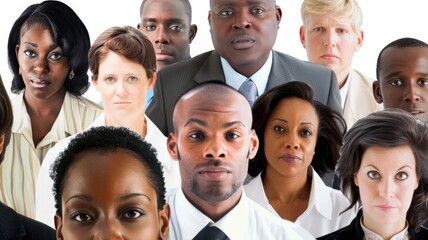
{"x":314,"y":19}
{"x":164,"y":9}
{"x":391,"y":158}
{"x":296,"y":108}
{"x":232,"y":3}
{"x":233,"y":107}
{"x":396,"y":59}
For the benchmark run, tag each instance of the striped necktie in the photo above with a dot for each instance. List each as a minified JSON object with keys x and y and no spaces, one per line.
{"x":249,"y":90}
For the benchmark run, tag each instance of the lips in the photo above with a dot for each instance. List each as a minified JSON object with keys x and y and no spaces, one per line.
{"x":241,"y":42}
{"x":329,"y":56}
{"x":214,"y":173}
{"x":162,"y":54}
{"x":290,"y":158}
{"x":39,"y":83}
{"x":415,"y":112}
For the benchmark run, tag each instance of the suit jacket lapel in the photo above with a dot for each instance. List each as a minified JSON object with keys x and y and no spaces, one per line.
{"x":279,"y":74}
{"x":211,"y":69}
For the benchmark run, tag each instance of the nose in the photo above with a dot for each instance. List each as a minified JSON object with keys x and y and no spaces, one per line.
{"x":412,"y":94}
{"x":292,"y":141}
{"x":41,"y":65}
{"x":387,"y":188}
{"x":108,"y":230}
{"x":330,"y":38}
{"x":161,"y":36}
{"x":242,"y":20}
{"x":215,"y":149}
{"x":121,"y":88}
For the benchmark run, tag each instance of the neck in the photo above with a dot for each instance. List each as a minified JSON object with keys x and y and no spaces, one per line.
{"x":136,"y":124}
{"x":286,"y":188}
{"x":386,"y":231}
{"x":44,"y":106}
{"x":342,"y":77}
{"x":214,"y":210}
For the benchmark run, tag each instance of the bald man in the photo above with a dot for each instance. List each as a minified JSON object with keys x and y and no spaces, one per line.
{"x":213,"y":142}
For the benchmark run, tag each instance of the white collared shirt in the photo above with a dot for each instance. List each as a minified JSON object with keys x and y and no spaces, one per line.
{"x":19,"y":170}
{"x":45,"y":202}
{"x":370,"y":235}
{"x":246,"y":220}
{"x":324,"y":206}
{"x":260,"y":78}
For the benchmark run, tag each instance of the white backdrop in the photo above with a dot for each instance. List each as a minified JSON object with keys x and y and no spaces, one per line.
{"x":384,"y":21}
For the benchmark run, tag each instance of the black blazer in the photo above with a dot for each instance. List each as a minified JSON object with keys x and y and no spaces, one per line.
{"x":16,"y":226}
{"x":176,"y":79}
{"x":354,"y":232}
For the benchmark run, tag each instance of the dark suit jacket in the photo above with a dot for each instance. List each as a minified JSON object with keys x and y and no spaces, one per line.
{"x":354,"y":232}
{"x":175,"y":80}
{"x":16,"y":226}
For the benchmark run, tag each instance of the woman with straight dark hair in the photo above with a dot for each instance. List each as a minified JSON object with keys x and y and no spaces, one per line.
{"x":48,"y":56}
{"x":384,"y":168}
{"x":299,"y":142}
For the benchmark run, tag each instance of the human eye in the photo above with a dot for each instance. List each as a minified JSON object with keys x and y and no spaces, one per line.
{"x":82,"y":217}
{"x":278,"y":129}
{"x":319,"y":29}
{"x":132,"y":79}
{"x":257,"y":11}
{"x":226,"y":12}
{"x":197,"y":136}
{"x":423,"y":82}
{"x":29,"y":53}
{"x":150,"y":27}
{"x":341,"y":30}
{"x":373,"y":174}
{"x":176,"y":27}
{"x":109,"y":79}
{"x":306,"y":132}
{"x":133,"y":213}
{"x":396,"y":82}
{"x":55,"y":56}
{"x":231,"y":135}
{"x":402,"y":176}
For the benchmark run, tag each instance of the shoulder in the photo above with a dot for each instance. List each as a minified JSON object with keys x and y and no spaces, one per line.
{"x":298,"y":64}
{"x":16,"y":226}
{"x":421,"y":234}
{"x":341,"y":234}
{"x":83,"y":102}
{"x":190,"y":66}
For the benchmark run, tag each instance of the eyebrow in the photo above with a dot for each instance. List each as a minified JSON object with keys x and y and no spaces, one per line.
{"x":204,"y":124}
{"x":171,"y":20}
{"x":123,"y":198}
{"x":371,"y":165}
{"x":422,"y":74}
{"x":285,"y":121}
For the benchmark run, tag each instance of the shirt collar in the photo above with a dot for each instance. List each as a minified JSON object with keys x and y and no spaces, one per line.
{"x":344,"y":89}
{"x":319,"y":199}
{"x":370,"y":235}
{"x":260,"y":78}
{"x":195,"y":221}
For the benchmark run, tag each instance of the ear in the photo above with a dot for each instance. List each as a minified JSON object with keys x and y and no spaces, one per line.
{"x":192,"y":32}
{"x":139,"y":26}
{"x":95,"y":83}
{"x":377,"y":93}
{"x":356,"y":180}
{"x":360,"y":39}
{"x":16,"y":50}
{"x":302,"y":36}
{"x":152,"y":82}
{"x":58,"y":227}
{"x":172,"y":145}
{"x":209,"y":19}
{"x":164,"y":222}
{"x":1,"y":143}
{"x":278,"y":14}
{"x":254,"y":144}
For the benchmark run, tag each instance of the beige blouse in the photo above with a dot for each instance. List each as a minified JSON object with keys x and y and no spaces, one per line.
{"x":20,"y":167}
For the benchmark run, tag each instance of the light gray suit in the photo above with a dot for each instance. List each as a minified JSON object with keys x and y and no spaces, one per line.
{"x":176,"y":79}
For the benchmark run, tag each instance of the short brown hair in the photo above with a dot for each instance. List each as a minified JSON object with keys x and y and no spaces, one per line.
{"x":6,"y":118}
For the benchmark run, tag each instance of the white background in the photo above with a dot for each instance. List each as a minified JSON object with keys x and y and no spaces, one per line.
{"x":384,"y":21}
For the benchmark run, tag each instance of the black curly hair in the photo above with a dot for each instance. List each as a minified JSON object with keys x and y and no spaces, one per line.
{"x":107,"y":139}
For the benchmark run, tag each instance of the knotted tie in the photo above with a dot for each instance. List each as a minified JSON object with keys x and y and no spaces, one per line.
{"x":211,"y":233}
{"x":249,"y":90}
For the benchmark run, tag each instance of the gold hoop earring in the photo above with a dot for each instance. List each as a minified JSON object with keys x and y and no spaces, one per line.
{"x":71,"y":74}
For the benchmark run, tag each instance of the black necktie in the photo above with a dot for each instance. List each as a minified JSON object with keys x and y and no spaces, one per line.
{"x":211,"y":233}
{"x":249,"y":90}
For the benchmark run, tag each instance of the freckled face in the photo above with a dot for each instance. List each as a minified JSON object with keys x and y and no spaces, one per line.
{"x":106,"y":198}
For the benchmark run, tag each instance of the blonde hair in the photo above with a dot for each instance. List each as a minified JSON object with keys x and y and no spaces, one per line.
{"x":338,"y":9}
